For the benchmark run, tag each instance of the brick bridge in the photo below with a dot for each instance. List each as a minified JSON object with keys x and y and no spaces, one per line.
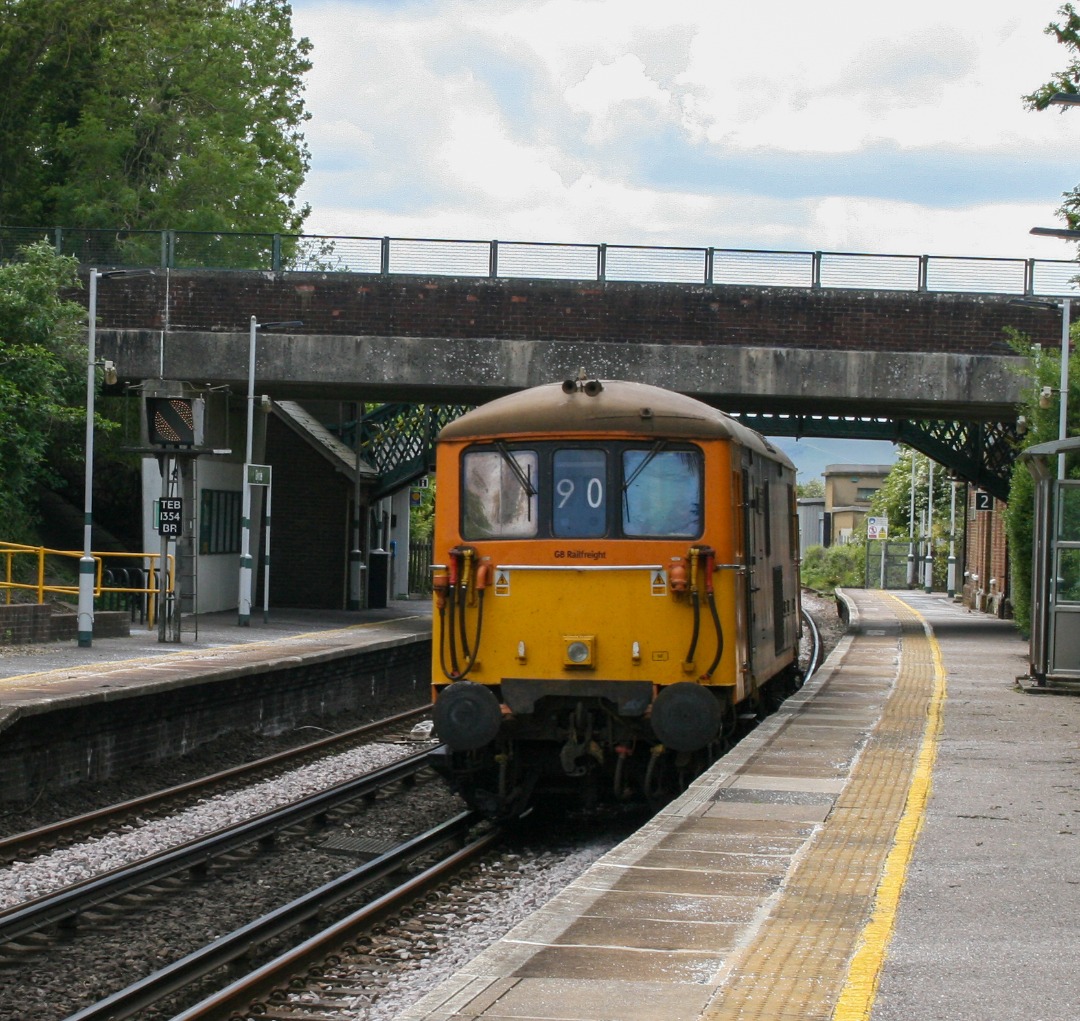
{"x":933,"y":369}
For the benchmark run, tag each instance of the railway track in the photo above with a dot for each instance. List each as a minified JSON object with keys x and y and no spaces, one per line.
{"x":65,"y":907}
{"x":108,"y":819}
{"x":267,"y":982}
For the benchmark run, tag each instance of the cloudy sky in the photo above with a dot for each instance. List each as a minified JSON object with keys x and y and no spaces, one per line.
{"x":836,"y":125}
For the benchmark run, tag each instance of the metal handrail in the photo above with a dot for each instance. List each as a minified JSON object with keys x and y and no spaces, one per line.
{"x":547,"y":260}
{"x":40,"y":587}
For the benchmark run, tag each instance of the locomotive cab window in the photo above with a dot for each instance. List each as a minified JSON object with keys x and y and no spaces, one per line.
{"x":662,"y":493}
{"x":579,"y":493}
{"x":499,"y":498}
{"x":575,"y":491}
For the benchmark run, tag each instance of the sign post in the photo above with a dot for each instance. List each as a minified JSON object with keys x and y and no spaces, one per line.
{"x":877,"y":529}
{"x":260,"y":475}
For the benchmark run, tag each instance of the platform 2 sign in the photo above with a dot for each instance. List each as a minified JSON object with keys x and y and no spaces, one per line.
{"x":170,"y":516}
{"x":983,"y":501}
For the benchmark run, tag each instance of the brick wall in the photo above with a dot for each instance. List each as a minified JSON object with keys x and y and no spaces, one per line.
{"x":359,"y":304}
{"x":99,"y":739}
{"x":309,"y":526}
{"x":986,"y":566}
{"x":29,"y":623}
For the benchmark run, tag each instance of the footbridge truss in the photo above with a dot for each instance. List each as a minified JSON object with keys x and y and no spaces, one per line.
{"x":981,"y":453}
{"x":398,"y":441}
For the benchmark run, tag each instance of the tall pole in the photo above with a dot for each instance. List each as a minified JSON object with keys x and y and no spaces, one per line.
{"x":911,"y":527}
{"x":266,"y":551}
{"x":1063,"y":406}
{"x":85,"y":623}
{"x":928,"y":580}
{"x":244,"y":619}
{"x":952,"y":541}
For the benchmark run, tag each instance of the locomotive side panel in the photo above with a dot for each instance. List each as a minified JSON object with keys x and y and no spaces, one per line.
{"x":772,"y":577}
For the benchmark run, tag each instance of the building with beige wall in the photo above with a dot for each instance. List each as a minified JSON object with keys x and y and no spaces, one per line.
{"x":849,"y":489}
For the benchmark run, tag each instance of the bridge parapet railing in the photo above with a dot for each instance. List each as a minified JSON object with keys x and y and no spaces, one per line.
{"x":318,"y":253}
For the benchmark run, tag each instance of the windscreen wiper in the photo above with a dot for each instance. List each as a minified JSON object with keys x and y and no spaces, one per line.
{"x":523,"y":479}
{"x":653,"y":451}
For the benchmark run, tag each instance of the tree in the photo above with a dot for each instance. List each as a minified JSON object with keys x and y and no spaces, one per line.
{"x":152,"y":113}
{"x":42,"y":378}
{"x":815,"y":488}
{"x":1039,"y":411}
{"x":1068,"y":81}
{"x":893,"y":499}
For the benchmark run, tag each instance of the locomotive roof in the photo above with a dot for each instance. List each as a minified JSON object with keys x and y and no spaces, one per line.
{"x":636,"y":409}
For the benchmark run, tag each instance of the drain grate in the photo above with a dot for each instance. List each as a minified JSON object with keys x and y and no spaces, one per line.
{"x":357,"y":846}
{"x":760,"y":796}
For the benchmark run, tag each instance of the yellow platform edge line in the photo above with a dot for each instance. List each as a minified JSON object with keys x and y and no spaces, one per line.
{"x":856,"y":1000}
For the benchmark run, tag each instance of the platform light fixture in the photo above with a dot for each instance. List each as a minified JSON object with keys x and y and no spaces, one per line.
{"x":244,"y":612}
{"x":1065,"y":304}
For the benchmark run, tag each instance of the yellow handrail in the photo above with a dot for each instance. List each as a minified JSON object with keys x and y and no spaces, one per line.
{"x":10,"y":550}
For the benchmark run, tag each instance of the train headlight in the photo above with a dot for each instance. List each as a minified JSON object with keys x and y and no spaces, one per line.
{"x":579,"y":650}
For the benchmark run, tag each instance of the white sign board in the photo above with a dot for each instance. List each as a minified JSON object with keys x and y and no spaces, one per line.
{"x":877,"y":528}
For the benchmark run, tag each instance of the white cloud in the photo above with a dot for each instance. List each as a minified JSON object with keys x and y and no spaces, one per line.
{"x":610,"y":93}
{"x":629,"y":121}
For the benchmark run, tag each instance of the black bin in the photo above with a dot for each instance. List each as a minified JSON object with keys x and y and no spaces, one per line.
{"x":378,"y":579}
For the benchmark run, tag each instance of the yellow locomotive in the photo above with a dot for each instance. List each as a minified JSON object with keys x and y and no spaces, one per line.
{"x":617,"y":583}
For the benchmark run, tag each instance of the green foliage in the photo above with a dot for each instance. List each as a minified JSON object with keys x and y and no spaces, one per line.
{"x":422,"y":518}
{"x":826,"y":569}
{"x":893,"y":499}
{"x":42,"y":378}
{"x":145,"y":113}
{"x":1044,"y":371}
{"x":815,"y":488}
{"x":1067,"y":32}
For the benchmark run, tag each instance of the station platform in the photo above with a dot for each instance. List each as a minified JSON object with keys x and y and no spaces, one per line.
{"x":899,"y":841}
{"x":40,"y":678}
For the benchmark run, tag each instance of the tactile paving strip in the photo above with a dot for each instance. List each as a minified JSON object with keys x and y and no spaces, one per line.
{"x":796,"y":965}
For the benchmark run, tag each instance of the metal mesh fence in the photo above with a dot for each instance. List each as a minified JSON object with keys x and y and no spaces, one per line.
{"x":662,"y":265}
{"x":1055,"y":278}
{"x":1002,"y":276}
{"x":763,"y":269}
{"x":440,"y":258}
{"x":547,"y":261}
{"x":871,"y":272}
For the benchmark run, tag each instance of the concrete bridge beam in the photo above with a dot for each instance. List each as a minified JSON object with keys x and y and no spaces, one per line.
{"x":469,"y":370}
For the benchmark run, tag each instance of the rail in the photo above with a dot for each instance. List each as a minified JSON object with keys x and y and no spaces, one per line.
{"x":108,"y":582}
{"x":319,"y":253}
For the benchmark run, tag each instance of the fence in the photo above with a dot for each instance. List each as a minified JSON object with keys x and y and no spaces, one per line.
{"x":36,"y":570}
{"x":298,"y":253}
{"x":420,"y":568}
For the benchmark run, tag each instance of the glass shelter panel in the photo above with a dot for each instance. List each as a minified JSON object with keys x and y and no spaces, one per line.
{"x":662,"y":493}
{"x":1068,"y":575}
{"x":1068,"y":529}
{"x":499,"y":497}
{"x":579,"y":497}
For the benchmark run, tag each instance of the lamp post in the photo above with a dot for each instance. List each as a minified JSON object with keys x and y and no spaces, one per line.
{"x":928,"y":579}
{"x":244,"y":612}
{"x":87,"y":564}
{"x":1066,"y":308}
{"x":911,"y":573}
{"x":951,"y":582}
